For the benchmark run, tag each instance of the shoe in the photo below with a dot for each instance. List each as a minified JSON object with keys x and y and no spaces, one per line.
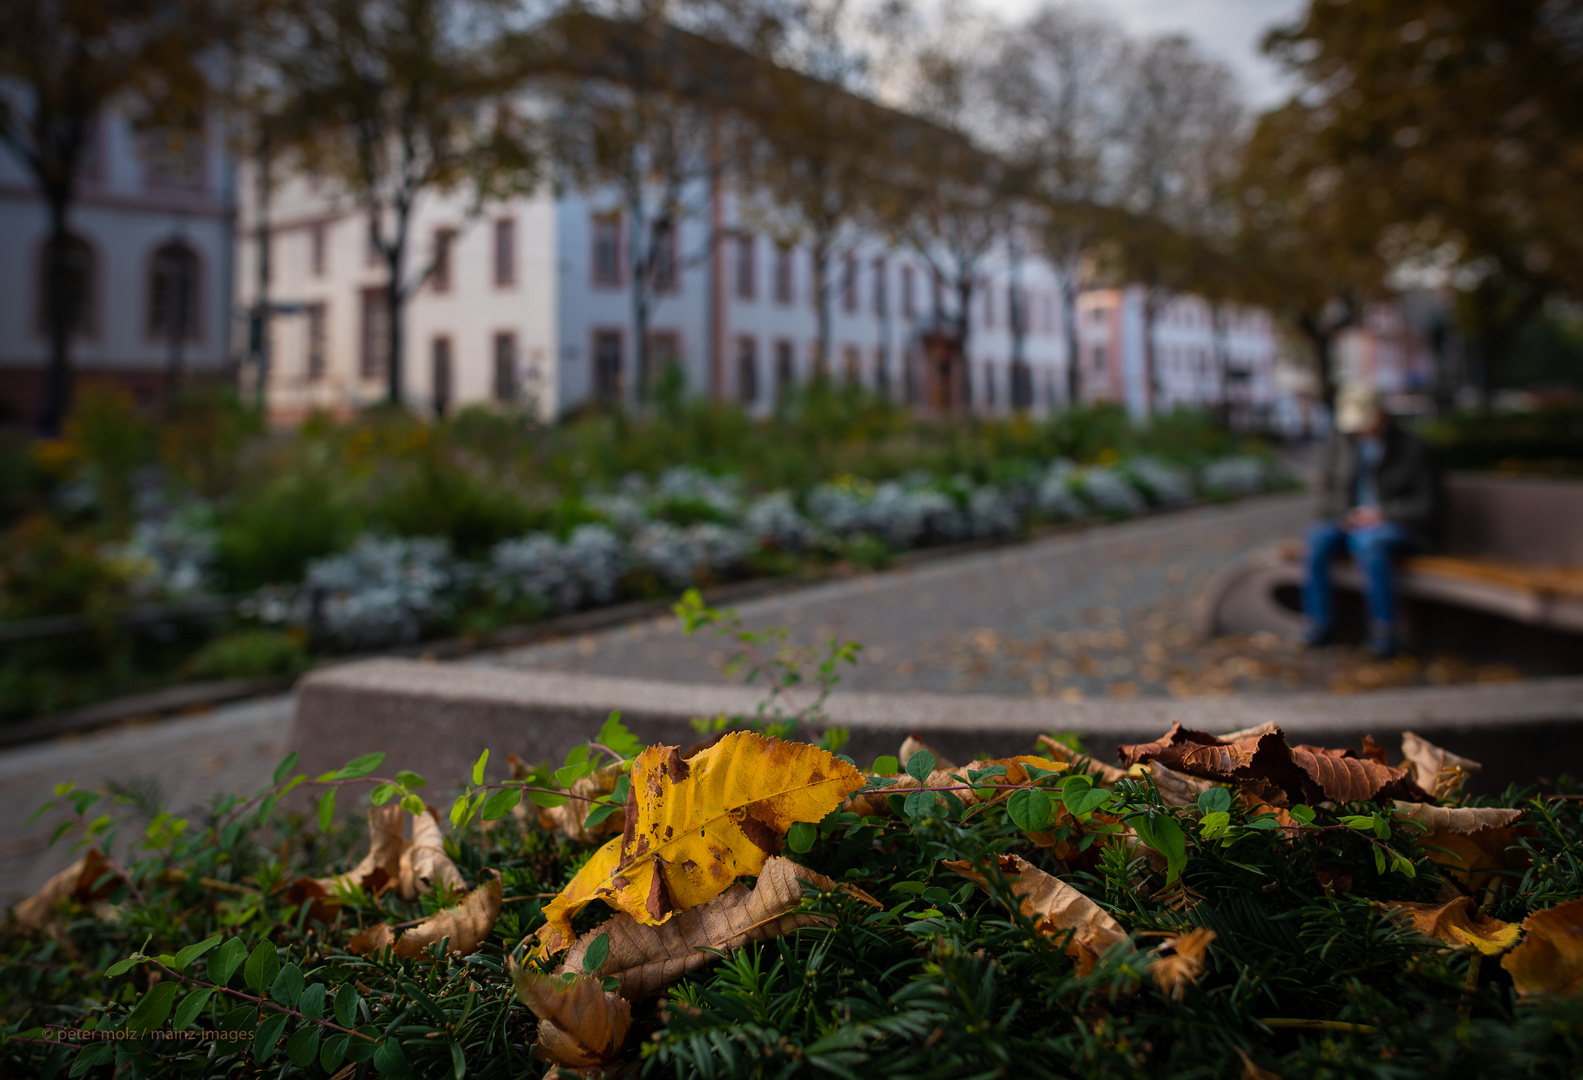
{"x":1318,"y":637}
{"x":1382,"y":641}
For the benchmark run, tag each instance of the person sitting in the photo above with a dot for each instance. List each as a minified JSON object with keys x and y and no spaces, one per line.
{"x":1379,"y":497}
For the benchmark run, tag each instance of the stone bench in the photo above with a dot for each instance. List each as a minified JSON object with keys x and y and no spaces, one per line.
{"x":1512,"y":548}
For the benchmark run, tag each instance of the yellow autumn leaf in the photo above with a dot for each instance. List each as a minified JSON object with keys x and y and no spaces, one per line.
{"x":695,"y":826}
{"x":1458,"y":924}
{"x":1550,"y":959}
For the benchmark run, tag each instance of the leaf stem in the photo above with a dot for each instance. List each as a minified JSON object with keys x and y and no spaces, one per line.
{"x":1303,"y":1024}
{"x":264,"y":1003}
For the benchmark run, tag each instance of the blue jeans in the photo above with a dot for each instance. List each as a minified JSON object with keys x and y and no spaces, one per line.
{"x":1372,"y":549}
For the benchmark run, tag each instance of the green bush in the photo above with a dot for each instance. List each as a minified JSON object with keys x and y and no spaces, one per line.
{"x":1546,"y":440}
{"x":248,"y":654}
{"x":269,"y":535}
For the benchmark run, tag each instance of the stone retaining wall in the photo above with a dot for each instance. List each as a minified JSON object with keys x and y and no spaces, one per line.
{"x":435,"y":718}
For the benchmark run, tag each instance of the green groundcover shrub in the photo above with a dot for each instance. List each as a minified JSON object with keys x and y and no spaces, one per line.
{"x":1256,"y":910}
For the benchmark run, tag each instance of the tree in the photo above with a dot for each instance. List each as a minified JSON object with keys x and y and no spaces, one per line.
{"x":1179,"y":143}
{"x":631,"y":116}
{"x":399,"y":100}
{"x":1465,"y":117}
{"x":63,"y":63}
{"x":1055,"y":89}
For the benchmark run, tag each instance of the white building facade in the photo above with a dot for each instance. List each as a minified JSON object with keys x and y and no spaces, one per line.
{"x":151,"y":260}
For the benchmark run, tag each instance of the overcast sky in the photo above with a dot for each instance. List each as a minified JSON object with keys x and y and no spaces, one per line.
{"x":1228,"y":29}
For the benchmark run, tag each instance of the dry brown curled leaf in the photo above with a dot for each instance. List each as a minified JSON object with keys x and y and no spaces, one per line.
{"x":1180,"y":961}
{"x":570,"y":816}
{"x":1462,"y":820}
{"x":1276,"y":772}
{"x":1055,"y":907}
{"x":1177,"y":789}
{"x":1458,"y":924}
{"x":1478,"y":859}
{"x":424,"y":863}
{"x":1550,"y":959}
{"x":582,"y":1026}
{"x":76,"y":881}
{"x":1437,"y":771}
{"x":912,"y":744}
{"x":647,"y":959}
{"x":378,"y":870}
{"x":467,"y":926}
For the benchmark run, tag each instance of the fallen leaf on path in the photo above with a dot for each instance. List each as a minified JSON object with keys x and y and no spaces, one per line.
{"x":466,"y":924}
{"x":1478,"y":859}
{"x":381,"y":867}
{"x":74,"y":881}
{"x":1550,"y":958}
{"x":1055,"y":907}
{"x":1463,"y":820}
{"x":912,"y":744}
{"x":582,"y":1026}
{"x":1178,"y":789}
{"x":1458,"y":924}
{"x":1437,"y":771}
{"x":647,"y":959}
{"x":1274,"y":771}
{"x":693,"y":827}
{"x":425,"y":862}
{"x":1180,"y":961}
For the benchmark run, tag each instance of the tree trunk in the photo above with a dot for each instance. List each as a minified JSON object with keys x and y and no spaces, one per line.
{"x":1222,"y":395}
{"x":58,"y":376}
{"x":261,"y":304}
{"x":395,"y":308}
{"x":964,"y":300}
{"x":1151,"y":387}
{"x":1074,"y":352}
{"x":821,"y":290}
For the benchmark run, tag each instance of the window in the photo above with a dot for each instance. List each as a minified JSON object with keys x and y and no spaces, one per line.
{"x":607,"y":250}
{"x":664,"y":248}
{"x":376,"y":334}
{"x":315,"y":343}
{"x":785,"y":367}
{"x":173,"y":293}
{"x":607,"y":366}
{"x":316,"y":249}
{"x":879,"y":287}
{"x":505,"y":357}
{"x":908,"y":305}
{"x":440,"y":381}
{"x":505,"y":252}
{"x":851,"y":366}
{"x":174,"y":158}
{"x":747,"y":253}
{"x":440,"y":276}
{"x":785,"y":287}
{"x":849,"y":282}
{"x":1098,"y":356}
{"x":747,"y":370}
{"x":78,"y":276}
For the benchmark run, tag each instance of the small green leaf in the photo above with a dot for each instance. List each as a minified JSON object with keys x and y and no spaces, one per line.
{"x":303,"y":1046}
{"x":332,"y":1052}
{"x":389,"y":1059}
{"x":382,"y":794}
{"x":920,"y":765}
{"x":223,"y":964}
{"x":190,"y":1007}
{"x":287,"y":987}
{"x":461,"y":810}
{"x":500,"y":803}
{"x":311,"y":1003}
{"x":1029,"y":809}
{"x":1036,"y":774}
{"x":326,"y":810}
{"x":911,"y":887}
{"x":568,"y":775}
{"x":409,"y":779}
{"x":597,"y":953}
{"x":1302,"y":813}
{"x":920,"y":804}
{"x":91,"y":1057}
{"x":192,"y":952}
{"x":1405,"y":865}
{"x":40,"y":812}
{"x":153,"y":1007}
{"x":262,"y":966}
{"x":459,"y":1061}
{"x":287,"y":763}
{"x":360,"y":767}
{"x":413,"y":805}
{"x":978,"y":776}
{"x":886,"y":765}
{"x":1379,"y":859}
{"x":577,"y":755}
{"x":1081,"y":800}
{"x":478,"y":766}
{"x":599,"y":812}
{"x":1214,"y":824}
{"x":615,"y":735}
{"x":346,"y":1000}
{"x":121,"y":967}
{"x":1163,"y":833}
{"x":548,"y":798}
{"x":801,"y":836}
{"x":268,"y":1035}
